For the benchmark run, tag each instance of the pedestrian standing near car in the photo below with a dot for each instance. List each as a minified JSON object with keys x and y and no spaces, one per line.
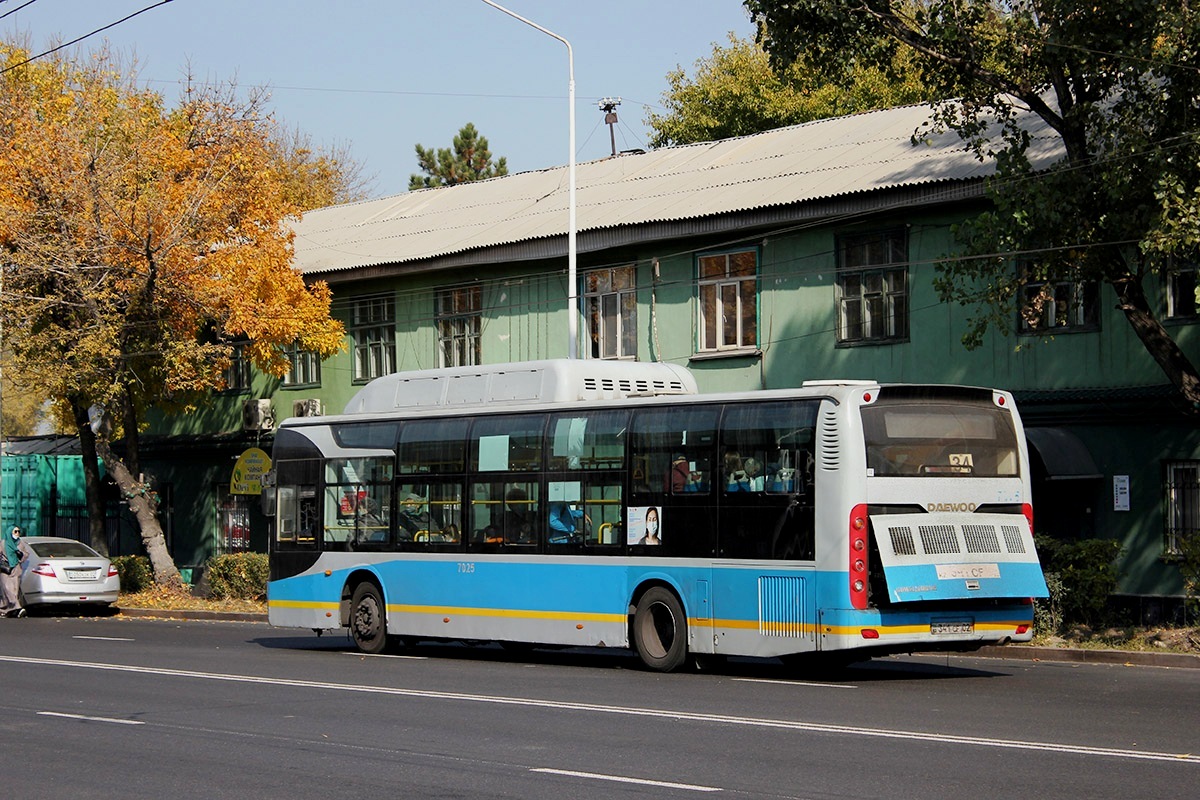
{"x":11,"y":556}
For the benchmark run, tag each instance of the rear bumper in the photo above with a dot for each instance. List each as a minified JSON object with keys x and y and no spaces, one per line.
{"x":51,"y":592}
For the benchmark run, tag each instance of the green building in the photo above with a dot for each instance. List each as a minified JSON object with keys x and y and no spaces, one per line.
{"x":41,"y":488}
{"x":760,"y":262}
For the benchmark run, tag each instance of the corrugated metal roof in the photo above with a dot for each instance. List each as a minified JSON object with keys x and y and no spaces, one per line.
{"x":784,"y":167}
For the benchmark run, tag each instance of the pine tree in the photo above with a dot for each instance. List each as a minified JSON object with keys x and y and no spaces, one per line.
{"x":469,"y":160}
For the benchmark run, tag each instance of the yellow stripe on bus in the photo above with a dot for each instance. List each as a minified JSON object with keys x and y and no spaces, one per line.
{"x":506,"y":613}
{"x":892,"y":630}
{"x":315,"y":604}
{"x":569,"y":616}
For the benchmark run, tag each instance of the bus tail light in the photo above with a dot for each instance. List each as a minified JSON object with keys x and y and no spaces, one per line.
{"x":859,"y":531}
{"x":1022,"y":629}
{"x":869,"y":633}
{"x":1027,"y":510}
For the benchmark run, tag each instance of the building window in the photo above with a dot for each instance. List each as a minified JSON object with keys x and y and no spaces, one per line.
{"x":1183,"y":293}
{"x":1060,"y":305}
{"x":1182,"y":500}
{"x":237,"y":374}
{"x":872,"y":287}
{"x":728,"y":287}
{"x":459,"y":314}
{"x":233,"y":512}
{"x":610,"y":297}
{"x":305,"y":369}
{"x":373,"y":329}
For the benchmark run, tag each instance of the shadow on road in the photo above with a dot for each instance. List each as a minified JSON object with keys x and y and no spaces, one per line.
{"x":879,"y":670}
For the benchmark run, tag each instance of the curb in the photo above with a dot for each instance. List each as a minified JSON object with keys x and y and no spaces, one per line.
{"x":1011,"y":652}
{"x":165,"y":613}
{"x":1128,"y":658}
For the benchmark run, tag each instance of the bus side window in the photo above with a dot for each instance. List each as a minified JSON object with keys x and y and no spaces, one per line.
{"x":429,"y":513}
{"x":296,"y":522}
{"x":677,"y":447}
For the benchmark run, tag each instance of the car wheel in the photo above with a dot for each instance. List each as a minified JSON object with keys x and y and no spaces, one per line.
{"x":368,"y":619}
{"x":660,"y":630}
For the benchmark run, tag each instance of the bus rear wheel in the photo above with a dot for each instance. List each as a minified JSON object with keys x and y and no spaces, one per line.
{"x":368,"y":621}
{"x":660,"y":630}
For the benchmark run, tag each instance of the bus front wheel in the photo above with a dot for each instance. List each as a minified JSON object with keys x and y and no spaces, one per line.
{"x":660,"y":630}
{"x":368,"y":622}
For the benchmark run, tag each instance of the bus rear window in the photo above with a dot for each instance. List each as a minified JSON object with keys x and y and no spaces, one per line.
{"x":940,"y":438}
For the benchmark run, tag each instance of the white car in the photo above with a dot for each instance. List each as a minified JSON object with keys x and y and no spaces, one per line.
{"x":64,"y":571}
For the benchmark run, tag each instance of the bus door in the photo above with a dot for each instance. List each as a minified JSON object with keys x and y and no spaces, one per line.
{"x":766,"y":503}
{"x":672,"y":510}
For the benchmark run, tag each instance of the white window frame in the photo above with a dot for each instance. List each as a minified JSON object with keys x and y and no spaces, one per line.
{"x":1073,"y":306}
{"x":237,"y":375}
{"x":459,"y":320}
{"x":305,"y":369}
{"x":610,"y":303}
{"x":872,"y":291}
{"x":373,"y":330}
{"x":727,"y":299}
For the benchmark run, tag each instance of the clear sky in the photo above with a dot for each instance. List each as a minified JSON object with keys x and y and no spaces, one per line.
{"x":379,"y":76}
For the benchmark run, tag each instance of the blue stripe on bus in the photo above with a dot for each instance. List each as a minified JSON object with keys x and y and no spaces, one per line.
{"x":737,"y":593}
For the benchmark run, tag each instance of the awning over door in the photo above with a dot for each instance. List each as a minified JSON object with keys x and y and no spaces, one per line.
{"x":1063,"y":454}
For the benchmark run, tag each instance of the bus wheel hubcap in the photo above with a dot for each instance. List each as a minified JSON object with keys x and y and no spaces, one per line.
{"x":366,"y":619}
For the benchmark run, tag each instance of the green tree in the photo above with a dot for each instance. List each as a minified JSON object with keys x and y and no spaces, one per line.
{"x":469,"y":160}
{"x":140,"y":243}
{"x":1115,"y":84}
{"x":735,"y":92}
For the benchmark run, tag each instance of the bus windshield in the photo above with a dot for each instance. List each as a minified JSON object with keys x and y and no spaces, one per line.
{"x":940,"y":437}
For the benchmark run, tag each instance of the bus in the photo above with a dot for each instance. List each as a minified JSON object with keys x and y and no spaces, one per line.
{"x":589,"y":503}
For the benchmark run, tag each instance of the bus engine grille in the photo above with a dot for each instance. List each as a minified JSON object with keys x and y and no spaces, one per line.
{"x":942,"y":539}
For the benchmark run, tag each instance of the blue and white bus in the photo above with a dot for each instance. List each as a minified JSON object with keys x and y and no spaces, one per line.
{"x":608,"y":504}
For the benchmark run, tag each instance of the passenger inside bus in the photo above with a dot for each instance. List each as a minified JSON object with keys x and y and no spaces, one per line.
{"x":567,"y":523}
{"x":734,"y":474}
{"x":519,"y":515}
{"x":412,"y":517}
{"x":753,"y":480}
{"x":683,"y":478}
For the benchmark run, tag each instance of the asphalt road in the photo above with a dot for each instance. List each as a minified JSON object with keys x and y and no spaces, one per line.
{"x":120,"y":708}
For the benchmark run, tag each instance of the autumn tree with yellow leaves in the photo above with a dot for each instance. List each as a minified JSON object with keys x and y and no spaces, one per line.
{"x":139,"y":242}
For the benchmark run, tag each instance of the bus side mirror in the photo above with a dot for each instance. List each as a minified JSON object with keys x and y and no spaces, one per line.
{"x":267,"y":498}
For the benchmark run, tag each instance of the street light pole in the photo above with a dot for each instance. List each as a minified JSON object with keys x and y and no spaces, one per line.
{"x":572,"y":299}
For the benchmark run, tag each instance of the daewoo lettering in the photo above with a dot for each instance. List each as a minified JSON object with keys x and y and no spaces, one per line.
{"x":935,"y":508}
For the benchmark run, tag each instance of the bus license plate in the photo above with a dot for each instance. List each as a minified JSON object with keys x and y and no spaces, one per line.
{"x":944,"y":628}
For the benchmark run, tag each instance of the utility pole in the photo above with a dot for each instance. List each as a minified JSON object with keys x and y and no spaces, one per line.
{"x":609,"y":106}
{"x":572,"y":234}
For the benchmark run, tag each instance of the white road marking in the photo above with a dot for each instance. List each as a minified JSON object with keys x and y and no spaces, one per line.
{"x":619,"y":779}
{"x":383,"y":655}
{"x":818,"y":684}
{"x":90,"y":719}
{"x":655,"y":713}
{"x":105,"y":638}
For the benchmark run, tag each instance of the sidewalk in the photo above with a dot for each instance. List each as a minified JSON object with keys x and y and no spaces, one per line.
{"x":1012,"y":652}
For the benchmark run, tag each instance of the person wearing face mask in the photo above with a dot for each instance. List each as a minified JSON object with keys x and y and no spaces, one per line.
{"x":13,"y":554}
{"x":652,"y":533}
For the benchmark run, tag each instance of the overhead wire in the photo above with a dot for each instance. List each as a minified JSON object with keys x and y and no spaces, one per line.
{"x":79,"y":39}
{"x":18,"y":8}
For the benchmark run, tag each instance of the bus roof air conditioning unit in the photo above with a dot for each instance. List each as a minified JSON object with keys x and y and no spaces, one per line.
{"x":258,"y":415}
{"x":310,"y":407}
